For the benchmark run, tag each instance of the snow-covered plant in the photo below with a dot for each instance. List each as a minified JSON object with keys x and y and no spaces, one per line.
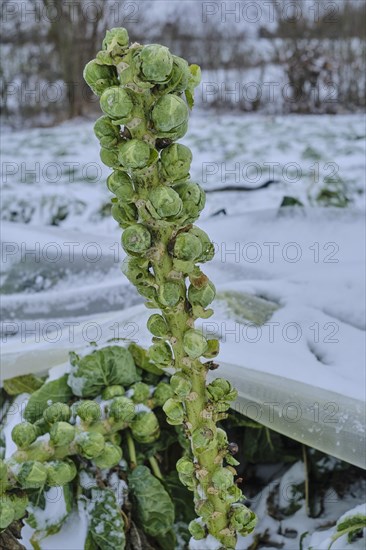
{"x":145,"y":94}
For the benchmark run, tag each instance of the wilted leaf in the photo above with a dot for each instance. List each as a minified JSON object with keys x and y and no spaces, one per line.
{"x":106,"y":524}
{"x":22,"y":384}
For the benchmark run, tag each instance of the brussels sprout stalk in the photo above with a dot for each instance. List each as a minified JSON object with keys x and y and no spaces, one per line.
{"x":146,"y":92}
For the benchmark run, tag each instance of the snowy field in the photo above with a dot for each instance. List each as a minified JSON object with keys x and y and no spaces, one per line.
{"x":303,"y":267}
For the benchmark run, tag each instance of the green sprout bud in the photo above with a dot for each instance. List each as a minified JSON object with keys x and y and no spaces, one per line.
{"x":233,"y":494}
{"x":136,"y":239}
{"x":57,"y":412}
{"x":194,"y":343}
{"x":99,"y":77}
{"x":202,"y":296}
{"x":89,"y":411}
{"x":193,"y":198}
{"x":60,"y":472}
{"x":203,"y":437}
{"x":205,"y":509}
{"x":187,"y":247}
{"x":213,"y":348}
{"x":7,"y":515}
{"x":122,"y":409}
{"x":179,"y":77}
{"x":185,"y":466}
{"x":90,"y":444}
{"x":161,"y":353}
{"x":197,"y":529}
{"x":222,"y":479}
{"x":113,"y":391}
{"x":242,"y":518}
{"x":124,"y":214}
{"x":156,"y":63}
{"x":157,"y":325}
{"x":61,"y":433}
{"x":116,"y":41}
{"x":222,"y":439}
{"x":109,"y":157}
{"x":169,"y":294}
{"x":18,"y":503}
{"x":165,"y":201}
{"x":162,"y":393}
{"x":221,"y":389}
{"x":145,"y":427}
{"x":208,"y":249}
{"x":174,"y":411}
{"x":32,"y":475}
{"x":176,"y":162}
{"x":41,"y":426}
{"x":141,"y":392}
{"x":135,"y":154}
{"x":135,"y":269}
{"x":181,"y":384}
{"x":121,"y":185}
{"x":106,"y":132}
{"x":24,"y":434}
{"x":118,"y":104}
{"x":169,"y":113}
{"x":110,"y":457}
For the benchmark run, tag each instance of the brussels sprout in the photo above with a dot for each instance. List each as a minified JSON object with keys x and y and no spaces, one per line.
{"x":41,"y":426}
{"x":7,"y":515}
{"x":202,"y":296}
{"x":124,"y":214}
{"x":18,"y":502}
{"x":162,"y":393}
{"x":121,"y":185}
{"x":233,"y":494}
{"x":222,"y":479}
{"x":185,"y":466}
{"x":156,"y":63}
{"x":61,"y":433}
{"x":99,"y":77}
{"x":179,"y":77}
{"x":208,"y":249}
{"x":134,"y":153}
{"x":165,"y":201}
{"x":157,"y":325}
{"x":213,"y":348}
{"x":32,"y":475}
{"x":146,"y":291}
{"x":197,"y":529}
{"x":174,"y":411}
{"x":135,"y":269}
{"x":90,"y":444}
{"x":203,"y":437}
{"x":169,"y":294}
{"x":113,"y":391}
{"x":194,"y":343}
{"x":136,"y":239}
{"x":145,"y":427}
{"x":106,"y":132}
{"x":116,"y":41}
{"x":187,"y":247}
{"x":181,"y":384}
{"x":109,"y":157}
{"x":176,"y":162}
{"x":161,"y":353}
{"x":24,"y":434}
{"x":205,"y":509}
{"x":60,"y":472}
{"x":110,"y":457}
{"x":169,"y":113}
{"x":193,"y":198}
{"x":141,"y":392}
{"x":89,"y":411}
{"x":119,"y":104}
{"x":57,"y":412}
{"x":241,"y":517}
{"x":122,"y":409}
{"x":221,"y":389}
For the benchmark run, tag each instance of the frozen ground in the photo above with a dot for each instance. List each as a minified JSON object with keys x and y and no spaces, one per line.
{"x":307,"y":265}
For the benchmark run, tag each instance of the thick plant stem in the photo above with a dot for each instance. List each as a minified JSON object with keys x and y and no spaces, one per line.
{"x":131,"y":450}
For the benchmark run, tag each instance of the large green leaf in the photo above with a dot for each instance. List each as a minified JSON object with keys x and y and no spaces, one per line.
{"x":56,"y":391}
{"x":105,"y":367}
{"x":28,"y":383}
{"x":153,"y":505}
{"x":106,"y":528}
